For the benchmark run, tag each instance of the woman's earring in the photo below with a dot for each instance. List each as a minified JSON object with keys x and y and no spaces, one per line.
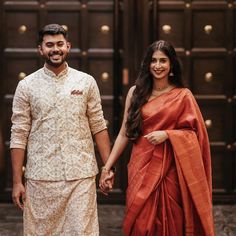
{"x":171,"y":73}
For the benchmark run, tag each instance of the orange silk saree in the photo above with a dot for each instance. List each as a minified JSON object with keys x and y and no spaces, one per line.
{"x":169,"y":185}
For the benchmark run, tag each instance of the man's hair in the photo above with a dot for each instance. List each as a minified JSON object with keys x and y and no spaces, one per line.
{"x":51,"y":29}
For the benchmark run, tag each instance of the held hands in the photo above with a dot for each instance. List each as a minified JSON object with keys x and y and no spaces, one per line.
{"x":156,"y":137}
{"x":18,"y":195}
{"x":106,"y":181}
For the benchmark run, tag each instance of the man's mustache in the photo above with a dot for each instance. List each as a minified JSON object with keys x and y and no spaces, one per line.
{"x":55,"y":53}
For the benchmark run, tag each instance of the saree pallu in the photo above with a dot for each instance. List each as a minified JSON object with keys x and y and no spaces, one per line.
{"x":169,"y":185}
{"x":61,"y":208}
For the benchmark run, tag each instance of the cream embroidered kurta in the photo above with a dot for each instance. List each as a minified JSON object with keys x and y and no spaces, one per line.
{"x":54,"y":117}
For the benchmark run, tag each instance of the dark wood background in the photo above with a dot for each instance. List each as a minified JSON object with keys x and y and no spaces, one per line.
{"x":108,"y":39}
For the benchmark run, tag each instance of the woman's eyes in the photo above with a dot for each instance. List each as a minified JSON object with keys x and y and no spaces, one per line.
{"x":162,"y":60}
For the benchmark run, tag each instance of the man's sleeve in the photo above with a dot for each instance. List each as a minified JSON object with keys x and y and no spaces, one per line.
{"x":21,"y":117}
{"x":94,"y":109}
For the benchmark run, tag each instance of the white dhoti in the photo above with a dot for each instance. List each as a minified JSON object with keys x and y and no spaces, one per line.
{"x":61,"y":208}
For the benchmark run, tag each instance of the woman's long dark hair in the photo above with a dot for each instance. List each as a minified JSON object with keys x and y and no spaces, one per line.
{"x":144,"y":86}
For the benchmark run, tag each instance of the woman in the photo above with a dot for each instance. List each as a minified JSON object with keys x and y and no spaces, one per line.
{"x":169,"y":173}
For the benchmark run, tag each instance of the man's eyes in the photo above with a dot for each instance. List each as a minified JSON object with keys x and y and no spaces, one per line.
{"x":60,"y":44}
{"x":50,"y":45}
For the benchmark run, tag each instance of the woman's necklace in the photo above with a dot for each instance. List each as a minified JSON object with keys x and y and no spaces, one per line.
{"x":157,"y":91}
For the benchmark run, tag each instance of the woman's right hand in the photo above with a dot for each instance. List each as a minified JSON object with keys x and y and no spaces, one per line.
{"x":157,"y":137}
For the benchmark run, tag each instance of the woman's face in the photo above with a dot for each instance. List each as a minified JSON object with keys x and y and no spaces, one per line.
{"x":160,"y":66}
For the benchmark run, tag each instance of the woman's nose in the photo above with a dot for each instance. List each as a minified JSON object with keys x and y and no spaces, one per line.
{"x":157,"y":64}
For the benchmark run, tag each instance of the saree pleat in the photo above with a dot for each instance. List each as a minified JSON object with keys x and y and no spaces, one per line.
{"x":169,"y":185}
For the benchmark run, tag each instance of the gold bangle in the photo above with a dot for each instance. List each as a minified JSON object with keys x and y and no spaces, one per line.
{"x":104,"y":169}
{"x":113,"y":169}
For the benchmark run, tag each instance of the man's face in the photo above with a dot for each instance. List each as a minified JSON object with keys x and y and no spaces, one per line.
{"x":54,"y":49}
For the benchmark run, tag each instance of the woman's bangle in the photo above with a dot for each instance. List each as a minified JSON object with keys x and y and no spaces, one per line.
{"x":113,"y":169}
{"x":104,"y":169}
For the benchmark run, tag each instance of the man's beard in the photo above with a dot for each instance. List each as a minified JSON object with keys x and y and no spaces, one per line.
{"x":55,"y":64}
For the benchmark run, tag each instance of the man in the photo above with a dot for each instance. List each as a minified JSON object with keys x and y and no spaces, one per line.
{"x":55,"y":110}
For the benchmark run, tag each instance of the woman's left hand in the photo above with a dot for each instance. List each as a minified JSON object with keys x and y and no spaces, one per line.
{"x":156,"y":137}
{"x":106,"y":181}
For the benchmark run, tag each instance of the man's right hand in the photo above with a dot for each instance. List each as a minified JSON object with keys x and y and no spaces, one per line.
{"x":18,"y":195}
{"x":106,"y":181}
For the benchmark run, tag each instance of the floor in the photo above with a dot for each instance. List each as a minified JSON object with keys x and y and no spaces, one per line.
{"x":110,"y":219}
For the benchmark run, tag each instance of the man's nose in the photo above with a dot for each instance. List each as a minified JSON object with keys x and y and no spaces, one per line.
{"x":55,"y":48}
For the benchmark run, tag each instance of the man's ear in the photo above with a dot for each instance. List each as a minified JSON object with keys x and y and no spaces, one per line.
{"x":68,"y":44}
{"x":40,"y":50}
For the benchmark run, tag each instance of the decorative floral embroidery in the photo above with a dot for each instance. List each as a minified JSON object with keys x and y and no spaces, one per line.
{"x":56,"y":126}
{"x":61,"y":208}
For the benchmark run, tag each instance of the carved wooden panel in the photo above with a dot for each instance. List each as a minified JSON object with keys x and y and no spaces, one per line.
{"x":102,"y":70}
{"x":208,"y":75}
{"x":215,"y":120}
{"x":171,"y":26}
{"x":21,"y":29}
{"x":15,"y":70}
{"x":207,"y":32}
{"x":221,"y":167}
{"x":74,"y":61}
{"x":100,"y":32}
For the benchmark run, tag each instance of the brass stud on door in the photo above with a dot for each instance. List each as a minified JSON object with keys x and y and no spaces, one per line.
{"x":166,"y":29}
{"x":208,"y":29}
{"x":105,"y":29}
{"x":187,"y":5}
{"x":65,"y":27}
{"x":105,"y":76}
{"x":21,"y":75}
{"x":229,"y":146}
{"x":208,"y":123}
{"x":22,"y":29}
{"x":208,"y":77}
{"x":187,"y":53}
{"x":83,"y":6}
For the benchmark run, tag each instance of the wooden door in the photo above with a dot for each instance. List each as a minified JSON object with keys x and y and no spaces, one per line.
{"x":93,"y":32}
{"x":202,"y":32}
{"x":108,"y":41}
